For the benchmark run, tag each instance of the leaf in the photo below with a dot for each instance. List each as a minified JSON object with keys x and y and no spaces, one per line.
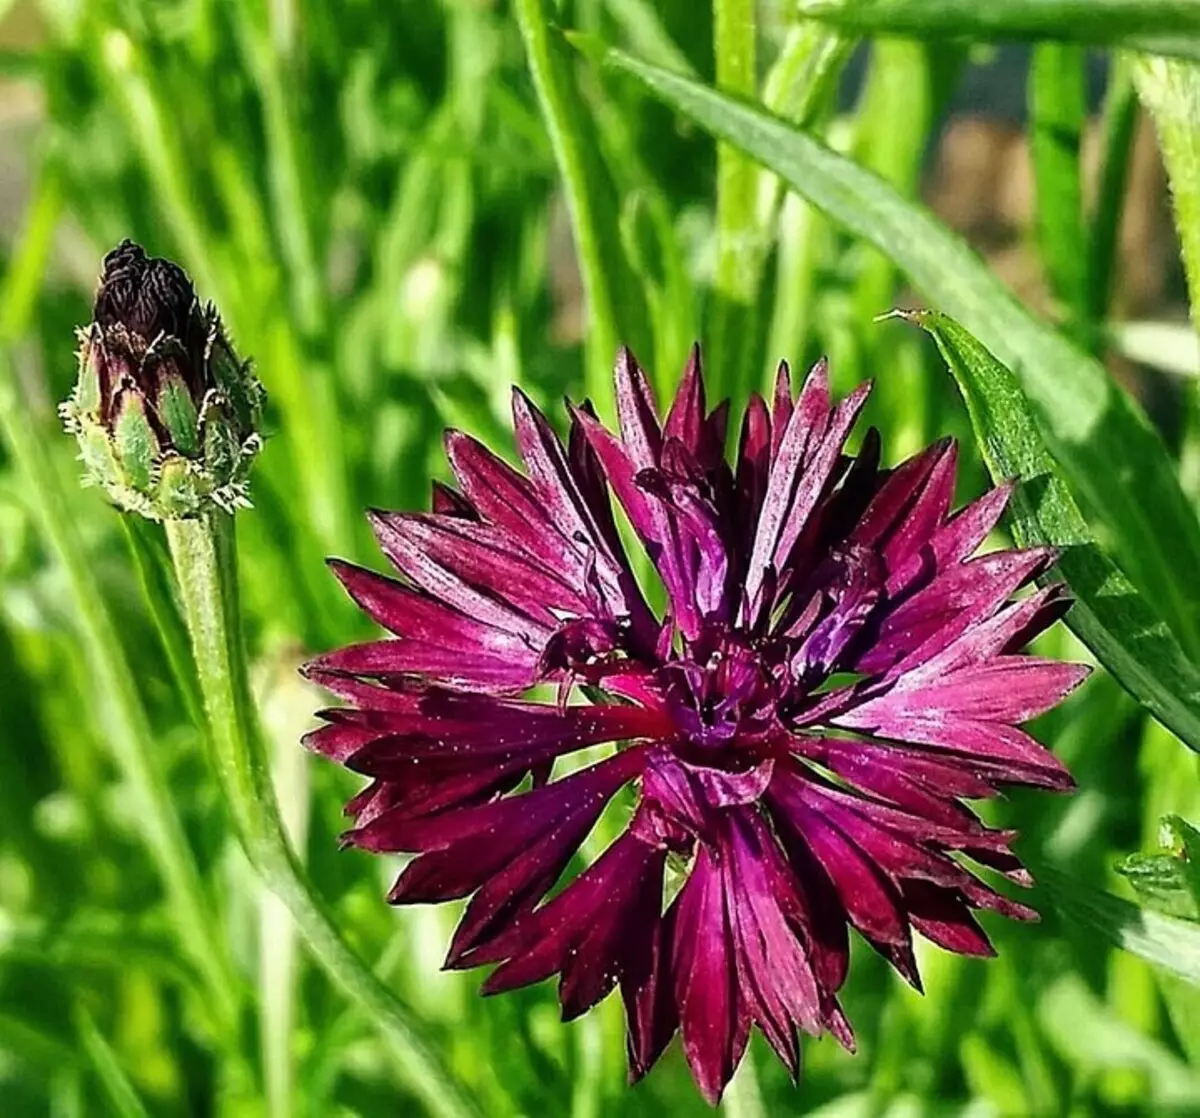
{"x":1092,"y":1037}
{"x":1162,"y":940}
{"x":1112,"y":457}
{"x":1058,"y":111}
{"x":1109,"y":615}
{"x":1158,"y":26}
{"x":121,"y":1094}
{"x":1169,"y":880}
{"x":610,"y":292}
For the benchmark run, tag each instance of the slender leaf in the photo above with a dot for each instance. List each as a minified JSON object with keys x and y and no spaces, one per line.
{"x":1166,"y":941}
{"x":1109,"y":615}
{"x":1056,"y":87}
{"x":1171,"y":93}
{"x":1158,"y":26}
{"x":1112,"y":457}
{"x":1119,"y":120}
{"x":587,"y":191}
{"x":121,"y":1094}
{"x":732,"y":330}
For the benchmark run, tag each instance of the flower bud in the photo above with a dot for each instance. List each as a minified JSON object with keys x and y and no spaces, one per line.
{"x":165,"y":413}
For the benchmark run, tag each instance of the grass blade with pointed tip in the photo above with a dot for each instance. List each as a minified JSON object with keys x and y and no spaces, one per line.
{"x":1109,"y":615}
{"x":1159,"y":26}
{"x":1112,"y":457}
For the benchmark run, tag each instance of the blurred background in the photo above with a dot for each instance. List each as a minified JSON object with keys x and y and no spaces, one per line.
{"x":371,"y":196}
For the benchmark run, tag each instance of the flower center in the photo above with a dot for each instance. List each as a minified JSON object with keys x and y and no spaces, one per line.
{"x":722,"y":697}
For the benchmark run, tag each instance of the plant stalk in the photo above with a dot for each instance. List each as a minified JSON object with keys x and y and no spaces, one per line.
{"x":119,"y":705}
{"x":205,"y":565}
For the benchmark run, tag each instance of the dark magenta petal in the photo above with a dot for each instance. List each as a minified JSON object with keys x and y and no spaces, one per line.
{"x":969,"y":591}
{"x":774,"y":967}
{"x":594,"y":933}
{"x":940,"y":917}
{"x":686,"y":421}
{"x":651,"y":1012}
{"x":871,"y":902}
{"x":713,"y":1019}
{"x":479,"y":730}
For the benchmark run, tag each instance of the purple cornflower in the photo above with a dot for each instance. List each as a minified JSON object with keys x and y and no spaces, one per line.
{"x":833,"y":674}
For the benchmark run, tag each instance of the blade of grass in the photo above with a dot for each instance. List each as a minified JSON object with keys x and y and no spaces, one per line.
{"x":1163,"y":26}
{"x":895,"y":113}
{"x":1112,"y":456}
{"x":285,"y":718}
{"x":647,"y":34}
{"x":1170,"y":90}
{"x":1056,"y":99}
{"x":1119,"y":120}
{"x":1109,"y":616}
{"x":120,"y":1092}
{"x":267,"y":65}
{"x":593,"y":221}
{"x":732,"y":318}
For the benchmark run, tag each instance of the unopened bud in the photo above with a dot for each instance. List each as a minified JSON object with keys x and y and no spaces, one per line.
{"x":166,"y":415}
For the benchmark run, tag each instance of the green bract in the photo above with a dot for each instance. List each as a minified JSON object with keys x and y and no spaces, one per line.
{"x":165,"y":413}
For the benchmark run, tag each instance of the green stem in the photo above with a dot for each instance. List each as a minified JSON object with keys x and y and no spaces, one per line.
{"x":154,"y":576}
{"x":569,"y":128}
{"x":205,"y":564}
{"x":1119,"y":121}
{"x":120,"y":708}
{"x":121,"y":1095}
{"x":733,"y":360}
{"x":1170,"y":90}
{"x":798,"y":88}
{"x":1058,"y":110}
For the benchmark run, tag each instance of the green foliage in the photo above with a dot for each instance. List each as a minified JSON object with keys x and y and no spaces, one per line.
{"x":1164,"y":26}
{"x":401,"y":210}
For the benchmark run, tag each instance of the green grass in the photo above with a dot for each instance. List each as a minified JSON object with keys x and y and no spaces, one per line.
{"x":380,"y":198}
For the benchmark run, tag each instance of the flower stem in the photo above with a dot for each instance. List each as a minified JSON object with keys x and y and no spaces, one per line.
{"x":122,"y":715}
{"x":203,"y":552}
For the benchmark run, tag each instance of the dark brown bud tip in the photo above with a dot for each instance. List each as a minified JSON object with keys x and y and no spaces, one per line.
{"x":147,"y":295}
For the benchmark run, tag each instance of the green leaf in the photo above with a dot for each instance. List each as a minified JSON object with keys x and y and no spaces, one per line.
{"x":1113,"y":458}
{"x":1058,"y":111}
{"x":1162,"y":940}
{"x":1157,"y":26}
{"x":120,"y":1092}
{"x":1118,"y":122}
{"x":610,"y":291}
{"x":1109,"y":615}
{"x":1169,"y":880}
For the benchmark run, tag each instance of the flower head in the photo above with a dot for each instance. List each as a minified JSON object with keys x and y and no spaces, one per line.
{"x":165,"y":414}
{"x":833,"y":674}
